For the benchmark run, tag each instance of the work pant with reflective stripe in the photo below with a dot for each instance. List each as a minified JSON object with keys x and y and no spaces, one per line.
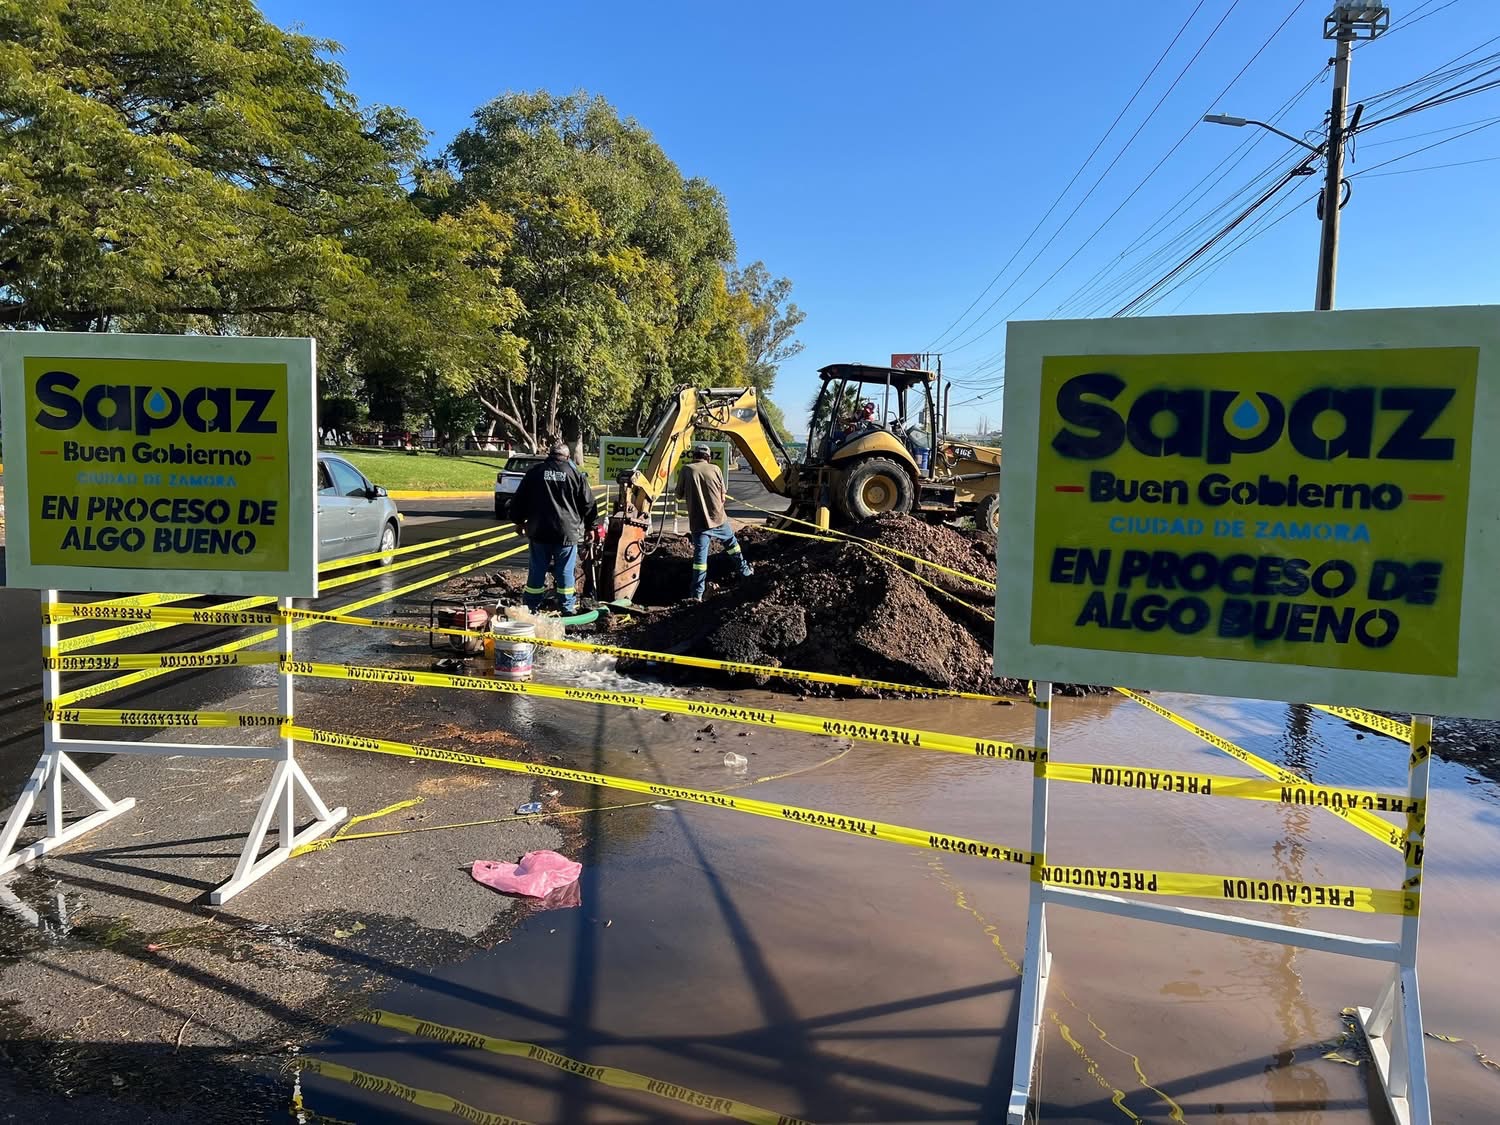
{"x":725,"y":534}
{"x":562,"y":560}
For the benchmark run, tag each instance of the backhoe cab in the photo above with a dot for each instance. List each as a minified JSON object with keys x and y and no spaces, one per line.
{"x":869,"y":450}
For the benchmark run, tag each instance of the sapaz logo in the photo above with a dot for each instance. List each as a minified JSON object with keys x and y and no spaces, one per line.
{"x":143,"y":409}
{"x":1218,"y":425}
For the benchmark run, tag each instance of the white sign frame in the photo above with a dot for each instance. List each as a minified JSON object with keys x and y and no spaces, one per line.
{"x":1470,"y":692}
{"x":299,"y":580}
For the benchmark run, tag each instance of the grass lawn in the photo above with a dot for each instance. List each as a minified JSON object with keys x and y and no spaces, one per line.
{"x":431,"y":472}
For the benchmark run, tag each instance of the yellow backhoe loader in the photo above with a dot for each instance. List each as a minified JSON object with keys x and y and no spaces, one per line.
{"x":869,"y":450}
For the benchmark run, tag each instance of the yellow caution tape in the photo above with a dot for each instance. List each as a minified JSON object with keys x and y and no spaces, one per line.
{"x":376,"y":556}
{"x":114,"y":663}
{"x":1231,"y":888}
{"x":95,"y":717}
{"x":428,"y":1099}
{"x":832,"y":534}
{"x":132,"y":678}
{"x":877,"y":733}
{"x":1366,"y":822}
{"x":650,"y":656}
{"x":147,"y":600}
{"x":1380,"y":724}
{"x":764,"y":670}
{"x":814,"y":818}
{"x":607,"y":1075}
{"x":868,"y":548}
{"x":177,"y":615}
{"x":147,"y":624}
{"x":381,"y":572}
{"x":341,"y":835}
{"x":1251,"y":789}
{"x":144,"y":622}
{"x":342,"y":831}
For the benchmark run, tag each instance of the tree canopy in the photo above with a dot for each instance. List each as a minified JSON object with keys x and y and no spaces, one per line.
{"x":174,"y":165}
{"x":185,"y":165}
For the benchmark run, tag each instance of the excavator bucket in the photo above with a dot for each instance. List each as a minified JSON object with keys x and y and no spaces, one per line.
{"x":624,"y":550}
{"x":798,"y":515}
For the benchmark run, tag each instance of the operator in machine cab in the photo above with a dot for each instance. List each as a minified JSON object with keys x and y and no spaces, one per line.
{"x":862,"y":421}
{"x":702,"y":486}
{"x":555,"y":509}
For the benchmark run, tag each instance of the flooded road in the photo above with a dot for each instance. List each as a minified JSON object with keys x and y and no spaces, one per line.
{"x":832,"y":978}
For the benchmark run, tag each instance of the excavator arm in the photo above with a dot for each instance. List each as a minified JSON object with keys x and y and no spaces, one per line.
{"x":733,"y":411}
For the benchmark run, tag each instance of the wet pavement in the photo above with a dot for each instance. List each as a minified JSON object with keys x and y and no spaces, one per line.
{"x":837,"y":979}
{"x":723,"y":956}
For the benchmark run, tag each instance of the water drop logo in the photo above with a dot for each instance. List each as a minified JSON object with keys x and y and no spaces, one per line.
{"x":1245,"y":415}
{"x":157,"y":403}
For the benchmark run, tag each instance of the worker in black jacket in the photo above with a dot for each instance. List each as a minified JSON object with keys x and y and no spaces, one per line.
{"x":555,"y":509}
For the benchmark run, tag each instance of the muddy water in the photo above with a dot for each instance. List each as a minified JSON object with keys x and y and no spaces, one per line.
{"x":840,"y":979}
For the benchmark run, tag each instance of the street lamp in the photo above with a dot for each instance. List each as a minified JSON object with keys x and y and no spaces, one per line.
{"x":1226,"y":119}
{"x":1349,"y":21}
{"x":1356,"y":20}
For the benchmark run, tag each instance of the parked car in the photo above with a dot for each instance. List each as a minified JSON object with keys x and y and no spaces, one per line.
{"x":355,"y":517}
{"x":508,"y":479}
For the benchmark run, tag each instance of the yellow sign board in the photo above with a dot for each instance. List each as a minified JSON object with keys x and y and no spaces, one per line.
{"x":1292,"y":516}
{"x":619,"y":454}
{"x":159,"y":463}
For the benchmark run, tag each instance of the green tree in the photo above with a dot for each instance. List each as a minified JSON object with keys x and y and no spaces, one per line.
{"x":176,"y":165}
{"x":771,"y":327}
{"x":617,"y":262}
{"x":769,"y":324}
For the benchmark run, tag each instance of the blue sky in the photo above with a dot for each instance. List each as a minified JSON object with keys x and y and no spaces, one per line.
{"x":891,"y":157}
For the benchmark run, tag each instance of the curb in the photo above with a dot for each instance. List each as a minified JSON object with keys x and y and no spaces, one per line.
{"x":420,"y":494}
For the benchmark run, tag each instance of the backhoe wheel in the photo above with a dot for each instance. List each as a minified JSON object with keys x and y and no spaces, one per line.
{"x":875,"y":486}
{"x":988,"y":516}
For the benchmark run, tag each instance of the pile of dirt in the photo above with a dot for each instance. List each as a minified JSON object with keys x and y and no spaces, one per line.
{"x":831,"y":606}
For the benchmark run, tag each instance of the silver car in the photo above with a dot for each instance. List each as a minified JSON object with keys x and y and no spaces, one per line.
{"x":355,"y":517}
{"x":508,"y":479}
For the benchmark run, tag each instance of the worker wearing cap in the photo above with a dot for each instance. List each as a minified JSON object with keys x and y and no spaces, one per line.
{"x":555,"y":509}
{"x":702,"y":486}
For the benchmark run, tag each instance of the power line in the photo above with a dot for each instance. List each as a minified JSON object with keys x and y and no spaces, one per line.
{"x":1433,"y":167}
{"x":1414,"y":19}
{"x":1183,"y":206}
{"x":1444,"y":97}
{"x":1079,"y":205}
{"x":1087,"y":160}
{"x":1207,"y":269}
{"x":1144,"y":180}
{"x":1104,"y":296}
{"x":1426,"y":148}
{"x":1428,"y":133}
{"x":1213,"y":241}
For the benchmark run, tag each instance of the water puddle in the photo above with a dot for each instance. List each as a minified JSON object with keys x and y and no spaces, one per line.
{"x":729,"y":957}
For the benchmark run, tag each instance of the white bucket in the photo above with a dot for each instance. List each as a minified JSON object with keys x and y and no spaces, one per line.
{"x":512,"y":654}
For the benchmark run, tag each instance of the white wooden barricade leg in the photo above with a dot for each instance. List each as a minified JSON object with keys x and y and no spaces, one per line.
{"x":1037,"y":963}
{"x":56,"y":765}
{"x":46,"y":780}
{"x":1393,"y":1027}
{"x":280,"y":799}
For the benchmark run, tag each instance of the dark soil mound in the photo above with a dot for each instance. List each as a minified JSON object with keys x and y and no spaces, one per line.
{"x":830,"y":606}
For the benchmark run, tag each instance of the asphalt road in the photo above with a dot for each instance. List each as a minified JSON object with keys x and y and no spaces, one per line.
{"x":21,"y":639}
{"x":20,"y":627}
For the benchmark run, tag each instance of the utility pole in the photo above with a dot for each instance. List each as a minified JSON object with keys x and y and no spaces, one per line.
{"x":1349,"y":21}
{"x":1333,"y":183}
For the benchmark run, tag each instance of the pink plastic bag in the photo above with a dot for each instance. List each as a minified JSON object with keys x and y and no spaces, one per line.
{"x":538,"y":874}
